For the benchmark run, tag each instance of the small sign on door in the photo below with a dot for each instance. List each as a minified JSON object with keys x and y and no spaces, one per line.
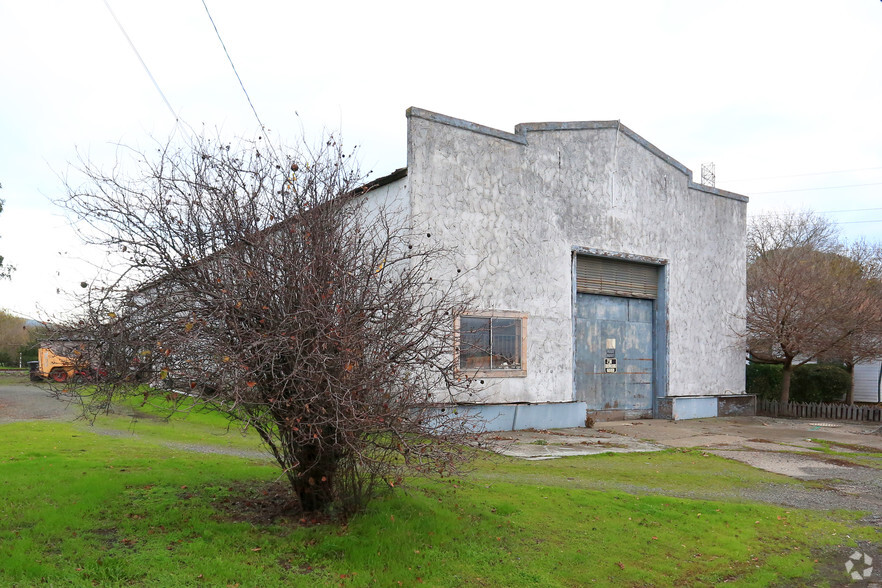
{"x":609,"y":365}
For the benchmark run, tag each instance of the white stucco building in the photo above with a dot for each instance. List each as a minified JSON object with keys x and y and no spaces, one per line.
{"x":607,"y":281}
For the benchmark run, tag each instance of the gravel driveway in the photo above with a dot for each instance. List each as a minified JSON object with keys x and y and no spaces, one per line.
{"x":29,"y":402}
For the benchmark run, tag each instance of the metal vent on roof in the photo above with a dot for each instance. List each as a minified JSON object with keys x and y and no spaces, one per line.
{"x":614,"y":277}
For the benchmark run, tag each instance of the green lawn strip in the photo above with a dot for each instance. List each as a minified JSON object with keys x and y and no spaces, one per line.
{"x":680,"y":471}
{"x":154,"y":419}
{"x":505,"y":534}
{"x":14,"y":376}
{"x":859,"y":454}
{"x":869,"y":460}
{"x":836,"y":448}
{"x":173,"y":406}
{"x":78,"y":508}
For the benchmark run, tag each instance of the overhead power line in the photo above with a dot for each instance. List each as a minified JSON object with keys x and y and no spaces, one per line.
{"x":143,"y":64}
{"x":847,"y":210}
{"x":823,"y":173}
{"x":855,"y":222}
{"x":844,"y":210}
{"x":835,"y":222}
{"x":230,"y":59}
{"x":820,"y":188}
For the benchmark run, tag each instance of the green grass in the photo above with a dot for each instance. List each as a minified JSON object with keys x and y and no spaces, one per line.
{"x":155,"y":420}
{"x":159,"y":419}
{"x":674,"y":470}
{"x":79,"y":508}
{"x":14,"y":376}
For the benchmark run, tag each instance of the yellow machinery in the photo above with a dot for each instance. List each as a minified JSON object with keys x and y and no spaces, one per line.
{"x":61,"y":361}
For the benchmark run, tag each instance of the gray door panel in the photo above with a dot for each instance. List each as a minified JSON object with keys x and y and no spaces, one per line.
{"x":614,"y":352}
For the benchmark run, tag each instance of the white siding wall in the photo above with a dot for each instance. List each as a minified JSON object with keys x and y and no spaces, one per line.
{"x":392,"y":200}
{"x":866,"y":381}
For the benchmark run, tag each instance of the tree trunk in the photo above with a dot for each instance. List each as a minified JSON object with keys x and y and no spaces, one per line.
{"x":315,"y":485}
{"x":786,"y":372}
{"x":849,"y":396}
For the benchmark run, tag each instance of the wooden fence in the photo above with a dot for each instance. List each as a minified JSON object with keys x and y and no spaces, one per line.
{"x":812,"y":410}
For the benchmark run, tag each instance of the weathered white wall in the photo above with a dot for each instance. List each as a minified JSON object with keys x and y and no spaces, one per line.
{"x":518,"y":204}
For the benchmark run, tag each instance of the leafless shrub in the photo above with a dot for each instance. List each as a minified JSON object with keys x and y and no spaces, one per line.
{"x":272,"y":286}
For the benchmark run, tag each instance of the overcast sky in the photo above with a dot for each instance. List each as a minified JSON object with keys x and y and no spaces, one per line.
{"x":785,"y":97}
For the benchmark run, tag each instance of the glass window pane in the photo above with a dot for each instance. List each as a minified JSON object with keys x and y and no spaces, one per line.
{"x":505,"y":343}
{"x":474,"y":343}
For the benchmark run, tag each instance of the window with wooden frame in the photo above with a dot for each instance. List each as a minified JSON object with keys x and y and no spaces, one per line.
{"x":492,"y":344}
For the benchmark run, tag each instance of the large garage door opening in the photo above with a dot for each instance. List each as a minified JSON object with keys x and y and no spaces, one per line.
{"x":614,"y":334}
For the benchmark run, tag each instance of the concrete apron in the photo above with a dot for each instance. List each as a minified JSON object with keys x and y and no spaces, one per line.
{"x":536,"y":444}
{"x":763,"y":442}
{"x":791,"y":447}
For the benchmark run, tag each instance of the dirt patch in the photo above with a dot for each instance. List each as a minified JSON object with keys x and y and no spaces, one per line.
{"x":838,"y":461}
{"x":265,"y":504}
{"x":849,"y":447}
{"x":832,"y":565}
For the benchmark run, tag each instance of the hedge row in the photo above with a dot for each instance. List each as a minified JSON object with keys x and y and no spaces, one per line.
{"x":810,"y":383}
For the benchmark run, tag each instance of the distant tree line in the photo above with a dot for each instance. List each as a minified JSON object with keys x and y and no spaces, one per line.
{"x":17,"y":340}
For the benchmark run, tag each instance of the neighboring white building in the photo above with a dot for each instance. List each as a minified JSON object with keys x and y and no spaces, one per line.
{"x":868,"y":381}
{"x":608,"y":282}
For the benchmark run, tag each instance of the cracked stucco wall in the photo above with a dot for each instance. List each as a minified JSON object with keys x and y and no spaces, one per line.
{"x":516,"y":205}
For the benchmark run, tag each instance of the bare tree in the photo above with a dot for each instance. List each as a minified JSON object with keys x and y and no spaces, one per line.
{"x":809,"y":297}
{"x":865,"y":341}
{"x":5,"y":271}
{"x":272,"y":286}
